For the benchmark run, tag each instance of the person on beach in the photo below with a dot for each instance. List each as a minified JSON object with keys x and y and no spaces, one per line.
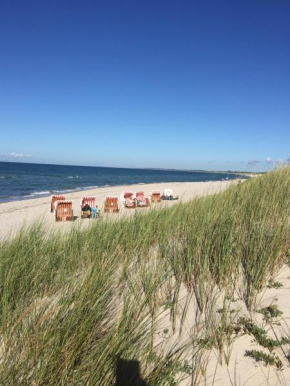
{"x":95,"y":211}
{"x":86,"y":209}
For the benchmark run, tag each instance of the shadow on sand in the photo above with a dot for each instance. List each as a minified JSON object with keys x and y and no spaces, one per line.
{"x":128,"y":373}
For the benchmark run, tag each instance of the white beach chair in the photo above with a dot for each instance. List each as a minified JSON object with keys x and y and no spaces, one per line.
{"x":167,"y":192}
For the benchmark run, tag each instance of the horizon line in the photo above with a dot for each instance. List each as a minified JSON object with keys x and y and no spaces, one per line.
{"x":140,"y":168}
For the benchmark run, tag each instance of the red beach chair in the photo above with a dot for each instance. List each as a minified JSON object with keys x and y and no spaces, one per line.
{"x":156,"y":196}
{"x":111,"y":205}
{"x":53,"y":200}
{"x":91,"y":201}
{"x":142,"y":201}
{"x":63,"y":211}
{"x":130,"y":201}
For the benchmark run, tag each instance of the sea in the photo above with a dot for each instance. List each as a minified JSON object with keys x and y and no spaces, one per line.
{"x":20,"y":181}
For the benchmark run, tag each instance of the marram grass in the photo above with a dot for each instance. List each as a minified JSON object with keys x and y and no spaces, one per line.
{"x":72,"y":304}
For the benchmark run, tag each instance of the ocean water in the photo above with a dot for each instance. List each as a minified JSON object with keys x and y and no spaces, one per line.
{"x":22,"y":180}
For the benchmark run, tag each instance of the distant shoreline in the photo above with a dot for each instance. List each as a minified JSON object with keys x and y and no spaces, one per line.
{"x":139,"y":168}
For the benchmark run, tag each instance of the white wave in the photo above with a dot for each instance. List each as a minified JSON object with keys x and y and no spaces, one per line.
{"x":88,"y":187}
{"x":39,"y":193}
{"x":65,"y":190}
{"x":69,"y":190}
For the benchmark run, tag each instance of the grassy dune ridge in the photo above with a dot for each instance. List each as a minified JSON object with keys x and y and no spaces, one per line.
{"x":71,"y":304}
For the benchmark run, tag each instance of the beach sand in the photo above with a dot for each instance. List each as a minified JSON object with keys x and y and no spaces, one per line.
{"x":16,"y":214}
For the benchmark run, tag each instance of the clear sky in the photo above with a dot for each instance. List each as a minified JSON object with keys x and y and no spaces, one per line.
{"x":191,"y":84}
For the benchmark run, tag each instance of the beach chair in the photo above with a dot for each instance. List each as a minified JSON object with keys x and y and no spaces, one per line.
{"x":111,"y":205}
{"x":156,"y":196}
{"x":168,"y":195}
{"x":91,"y":201}
{"x":63,"y":211}
{"x":142,"y":201}
{"x":129,"y":200}
{"x":53,"y":200}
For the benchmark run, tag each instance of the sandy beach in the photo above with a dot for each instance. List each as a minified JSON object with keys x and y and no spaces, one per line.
{"x":16,"y":214}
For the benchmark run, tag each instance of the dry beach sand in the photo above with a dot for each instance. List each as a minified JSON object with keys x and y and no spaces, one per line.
{"x":234,"y":368}
{"x":14,"y":215}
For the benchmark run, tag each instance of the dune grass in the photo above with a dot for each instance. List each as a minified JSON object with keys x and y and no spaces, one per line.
{"x":71,"y":304}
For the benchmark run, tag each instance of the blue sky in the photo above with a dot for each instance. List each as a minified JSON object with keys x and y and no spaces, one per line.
{"x":180,"y":84}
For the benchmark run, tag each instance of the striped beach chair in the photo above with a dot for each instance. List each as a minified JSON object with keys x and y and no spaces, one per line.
{"x":53,"y":200}
{"x":129,"y":200}
{"x":142,"y":201}
{"x":111,"y":205}
{"x":91,"y":201}
{"x":156,"y":196}
{"x":63,"y":211}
